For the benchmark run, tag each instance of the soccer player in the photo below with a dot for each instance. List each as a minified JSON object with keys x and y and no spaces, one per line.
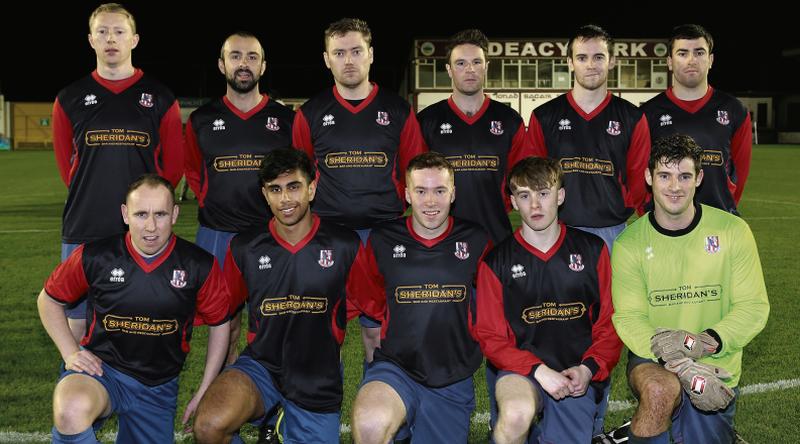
{"x":417,"y":276}
{"x":544,"y":316}
{"x":109,"y":128}
{"x":717,"y":121}
{"x":361,"y":138}
{"x":225,"y":142}
{"x":294,"y":275}
{"x":480,"y":137}
{"x":689,"y":294}
{"x":600,"y":140}
{"x":143,"y":289}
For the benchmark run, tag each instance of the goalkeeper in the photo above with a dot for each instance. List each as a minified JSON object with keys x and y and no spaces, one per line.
{"x":688,"y":294}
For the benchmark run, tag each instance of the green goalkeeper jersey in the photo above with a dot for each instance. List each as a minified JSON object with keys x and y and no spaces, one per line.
{"x":707,"y":276}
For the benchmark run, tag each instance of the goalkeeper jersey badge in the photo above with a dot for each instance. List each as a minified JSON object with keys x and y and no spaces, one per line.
{"x":712,"y":244}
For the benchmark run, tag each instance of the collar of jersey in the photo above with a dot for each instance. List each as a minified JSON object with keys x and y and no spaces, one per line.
{"x":118,"y":86}
{"x":594,"y":112}
{"x":356,"y":109}
{"x":543,"y":255}
{"x":299,"y":246}
{"x":675,"y":233}
{"x":690,"y":106}
{"x":430,"y":243}
{"x":469,"y":120}
{"x":246,"y":115}
{"x":137,"y":257}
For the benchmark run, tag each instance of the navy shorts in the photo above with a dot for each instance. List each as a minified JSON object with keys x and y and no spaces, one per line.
{"x":432,"y":414}
{"x":215,"y":242}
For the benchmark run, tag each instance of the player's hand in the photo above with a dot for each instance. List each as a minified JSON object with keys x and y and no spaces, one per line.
{"x":579,"y":378}
{"x":669,"y":345}
{"x":84,"y":361}
{"x":702,"y":382}
{"x":553,"y":382}
{"x":188,"y":414}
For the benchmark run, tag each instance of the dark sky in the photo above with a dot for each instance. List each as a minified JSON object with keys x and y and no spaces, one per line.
{"x":48,"y":47}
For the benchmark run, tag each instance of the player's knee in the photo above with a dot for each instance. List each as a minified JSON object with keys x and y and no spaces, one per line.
{"x":73,"y":414}
{"x":208,"y":427}
{"x":371,"y":424}
{"x":515,"y":417}
{"x":661,"y":391}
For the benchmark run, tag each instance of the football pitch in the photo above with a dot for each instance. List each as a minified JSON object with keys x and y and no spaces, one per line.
{"x":32,"y":198}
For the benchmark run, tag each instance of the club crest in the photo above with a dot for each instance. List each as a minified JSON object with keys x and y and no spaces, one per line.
{"x":613,"y":128}
{"x":178,"y":278}
{"x":272,"y":124}
{"x":383,"y":118}
{"x":462,"y":250}
{"x":576,"y":262}
{"x":146,"y":100}
{"x":712,"y":244}
{"x":496,"y":127}
{"x":325,"y":258}
{"x":722,"y":118}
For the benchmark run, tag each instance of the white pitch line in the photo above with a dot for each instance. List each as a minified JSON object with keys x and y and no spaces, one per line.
{"x":779,"y":202}
{"x":479,"y":418}
{"x":48,"y":230}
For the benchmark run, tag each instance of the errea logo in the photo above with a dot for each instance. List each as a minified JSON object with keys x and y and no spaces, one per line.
{"x":264,"y":263}
{"x":219,"y":125}
{"x":90,"y":99}
{"x":328,"y":120}
{"x":665,"y":119}
{"x":445,"y":128}
{"x":518,"y":271}
{"x":399,"y":251}
{"x":564,"y":124}
{"x":117,"y":275}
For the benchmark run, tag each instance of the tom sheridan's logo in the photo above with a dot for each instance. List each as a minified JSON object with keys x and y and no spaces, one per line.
{"x":685,"y":294}
{"x":429,"y":294}
{"x":356,"y":159}
{"x":587,"y":165}
{"x":238,"y":162}
{"x":140,"y":325}
{"x":293,"y":304}
{"x":117,"y":137}
{"x":553,"y":311}
{"x":474,"y":162}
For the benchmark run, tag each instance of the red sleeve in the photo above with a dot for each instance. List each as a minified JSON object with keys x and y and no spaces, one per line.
{"x":67,"y":283}
{"x":62,"y":142}
{"x":237,"y":287}
{"x":411,"y":144}
{"x":366,"y":286}
{"x":535,"y":137}
{"x":492,"y":330}
{"x":741,"y":150}
{"x":520,"y":149}
{"x":213,"y":300}
{"x":636,"y":163}
{"x":301,"y":135}
{"x":169,"y":154}
{"x":603,"y":354}
{"x":194,"y":166}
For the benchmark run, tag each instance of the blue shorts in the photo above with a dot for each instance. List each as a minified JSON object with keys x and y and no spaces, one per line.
{"x":690,"y":424}
{"x":145,"y":413}
{"x":77,"y":311}
{"x":298,"y":425}
{"x":608,"y":234}
{"x":568,"y":420}
{"x":432,"y":414}
{"x":215,"y":242}
{"x":364,"y":320}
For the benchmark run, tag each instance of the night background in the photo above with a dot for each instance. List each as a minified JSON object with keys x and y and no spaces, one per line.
{"x":45,"y":47}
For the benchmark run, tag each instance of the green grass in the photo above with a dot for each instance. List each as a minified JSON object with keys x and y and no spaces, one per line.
{"x":32,"y":197}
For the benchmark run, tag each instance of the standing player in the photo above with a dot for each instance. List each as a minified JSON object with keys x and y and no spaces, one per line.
{"x":600,"y":140}
{"x":143,"y":289}
{"x":417,"y":276}
{"x":361,"y":138}
{"x":294,"y":276}
{"x":108,"y":129}
{"x":717,"y":121}
{"x":544,"y":316}
{"x":689,"y":295}
{"x":480,"y":137}
{"x":225,"y":142}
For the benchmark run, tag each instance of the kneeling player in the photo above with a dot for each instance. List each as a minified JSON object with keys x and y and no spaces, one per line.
{"x":544,"y":315}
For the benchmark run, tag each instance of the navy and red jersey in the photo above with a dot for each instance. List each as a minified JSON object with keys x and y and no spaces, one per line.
{"x":550,"y":307}
{"x":140,"y":314}
{"x":422,"y":291}
{"x":482,"y":149}
{"x":603,"y":154}
{"x":298,"y":302}
{"x":721,"y":125}
{"x":361,"y":153}
{"x":105,"y":135}
{"x":224,"y":149}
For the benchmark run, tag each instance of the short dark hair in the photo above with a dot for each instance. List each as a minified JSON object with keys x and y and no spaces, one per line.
{"x":468,"y":37}
{"x":150,"y":180}
{"x":588,"y":32}
{"x":690,"y":31}
{"x":535,"y":173}
{"x":113,"y":8}
{"x":430,"y":159}
{"x":343,"y":26}
{"x":244,"y":35}
{"x":285,"y":160}
{"x":672,"y":149}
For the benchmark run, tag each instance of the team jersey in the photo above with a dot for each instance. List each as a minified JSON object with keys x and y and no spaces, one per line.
{"x":105,"y":135}
{"x":721,"y":125}
{"x":706,"y":276}
{"x":482,"y":149}
{"x":422,"y":291}
{"x":140,"y":314}
{"x":224,"y":149}
{"x":361,"y":153}
{"x":298,"y":307}
{"x":603,"y":155}
{"x":550,"y":307}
